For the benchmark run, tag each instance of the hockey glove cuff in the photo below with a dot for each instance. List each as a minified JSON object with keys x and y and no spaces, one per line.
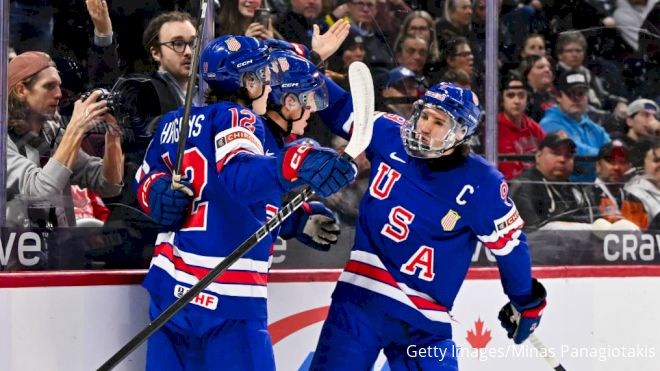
{"x":520,"y":321}
{"x":166,"y":206}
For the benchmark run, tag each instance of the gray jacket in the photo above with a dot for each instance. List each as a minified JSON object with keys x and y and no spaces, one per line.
{"x":28,"y":181}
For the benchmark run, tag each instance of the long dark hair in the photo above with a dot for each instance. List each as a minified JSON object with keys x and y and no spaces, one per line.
{"x":230,"y":20}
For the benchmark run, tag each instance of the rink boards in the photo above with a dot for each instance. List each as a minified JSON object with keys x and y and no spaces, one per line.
{"x":598,"y":318}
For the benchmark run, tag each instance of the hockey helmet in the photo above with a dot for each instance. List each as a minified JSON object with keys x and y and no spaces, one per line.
{"x":225,"y":62}
{"x":299,"y":77}
{"x":462,"y":107}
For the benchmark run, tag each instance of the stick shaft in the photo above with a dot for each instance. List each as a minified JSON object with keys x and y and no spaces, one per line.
{"x":227,"y":262}
{"x":187,"y":107}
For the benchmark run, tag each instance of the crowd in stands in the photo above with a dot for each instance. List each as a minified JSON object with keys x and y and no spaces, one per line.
{"x":577,"y":78}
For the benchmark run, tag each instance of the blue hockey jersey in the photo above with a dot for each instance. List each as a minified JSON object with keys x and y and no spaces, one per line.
{"x":418,"y":227}
{"x":232,"y":180}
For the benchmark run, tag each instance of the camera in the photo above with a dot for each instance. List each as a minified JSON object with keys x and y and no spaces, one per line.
{"x":134,"y":101}
{"x":262,"y":15}
{"x":106,"y":95}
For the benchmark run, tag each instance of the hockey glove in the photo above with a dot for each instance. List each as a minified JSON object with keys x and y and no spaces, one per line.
{"x":314,"y":225}
{"x":169,"y":207}
{"x":321,"y":168}
{"x":520,"y":321}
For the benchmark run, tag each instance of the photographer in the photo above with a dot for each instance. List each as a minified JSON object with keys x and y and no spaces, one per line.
{"x":36,"y":132}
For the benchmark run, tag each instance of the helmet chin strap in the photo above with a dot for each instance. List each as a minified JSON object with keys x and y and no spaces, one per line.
{"x":277,"y":108}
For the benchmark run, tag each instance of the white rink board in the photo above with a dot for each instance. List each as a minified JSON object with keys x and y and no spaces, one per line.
{"x":79,"y":327}
{"x":588,"y":315}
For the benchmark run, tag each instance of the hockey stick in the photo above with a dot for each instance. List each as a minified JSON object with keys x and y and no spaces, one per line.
{"x":184,"y":125}
{"x":545,"y":352}
{"x":363,"y":111}
{"x":547,"y":355}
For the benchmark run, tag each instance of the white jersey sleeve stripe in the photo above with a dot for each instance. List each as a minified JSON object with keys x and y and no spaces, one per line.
{"x":229,"y":140}
{"x":210,"y":262}
{"x":252,"y":291}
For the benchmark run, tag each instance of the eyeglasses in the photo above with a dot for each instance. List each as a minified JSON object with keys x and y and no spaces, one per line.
{"x":179,"y":46}
{"x":364,"y":5}
{"x":574,"y":50}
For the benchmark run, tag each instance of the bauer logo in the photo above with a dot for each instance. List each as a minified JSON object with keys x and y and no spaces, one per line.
{"x":202,"y":299}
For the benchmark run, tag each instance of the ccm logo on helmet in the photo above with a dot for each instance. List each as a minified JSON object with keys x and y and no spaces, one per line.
{"x":290,"y":85}
{"x":243,"y":64}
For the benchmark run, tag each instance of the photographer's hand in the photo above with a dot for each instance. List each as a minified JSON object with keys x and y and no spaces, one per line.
{"x":98,"y":12}
{"x":327,"y":44}
{"x":86,"y":114}
{"x":113,"y":158}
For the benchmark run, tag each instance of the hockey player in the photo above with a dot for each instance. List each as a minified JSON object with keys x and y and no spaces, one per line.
{"x":429,"y":202}
{"x":231,"y":180}
{"x":301,"y":92}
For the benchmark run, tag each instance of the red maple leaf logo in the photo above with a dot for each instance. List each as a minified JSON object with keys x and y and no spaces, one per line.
{"x":478,"y":338}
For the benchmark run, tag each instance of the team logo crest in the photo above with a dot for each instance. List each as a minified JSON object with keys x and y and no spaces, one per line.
{"x":449,"y":221}
{"x":284,"y":64}
{"x":233,"y":44}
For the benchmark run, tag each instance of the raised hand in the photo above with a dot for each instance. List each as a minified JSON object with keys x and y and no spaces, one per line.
{"x":328,"y":43}
{"x":98,"y":12}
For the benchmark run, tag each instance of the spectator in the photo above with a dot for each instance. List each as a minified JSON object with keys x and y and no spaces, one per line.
{"x":237,"y":18}
{"x":570,"y":116}
{"x":401,"y":83}
{"x":456,"y":20}
{"x":612,"y":171}
{"x":457,"y":55}
{"x":571,"y":51}
{"x":646,"y":185}
{"x":518,"y":134}
{"x":411,"y":52}
{"x":537,"y":71}
{"x":388,"y":15}
{"x":420,"y":23}
{"x":36,"y":131}
{"x":642,"y":121}
{"x":544,"y":193}
{"x":169,"y":40}
{"x":362,"y":16}
{"x":296,"y":24}
{"x":534,"y":44}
